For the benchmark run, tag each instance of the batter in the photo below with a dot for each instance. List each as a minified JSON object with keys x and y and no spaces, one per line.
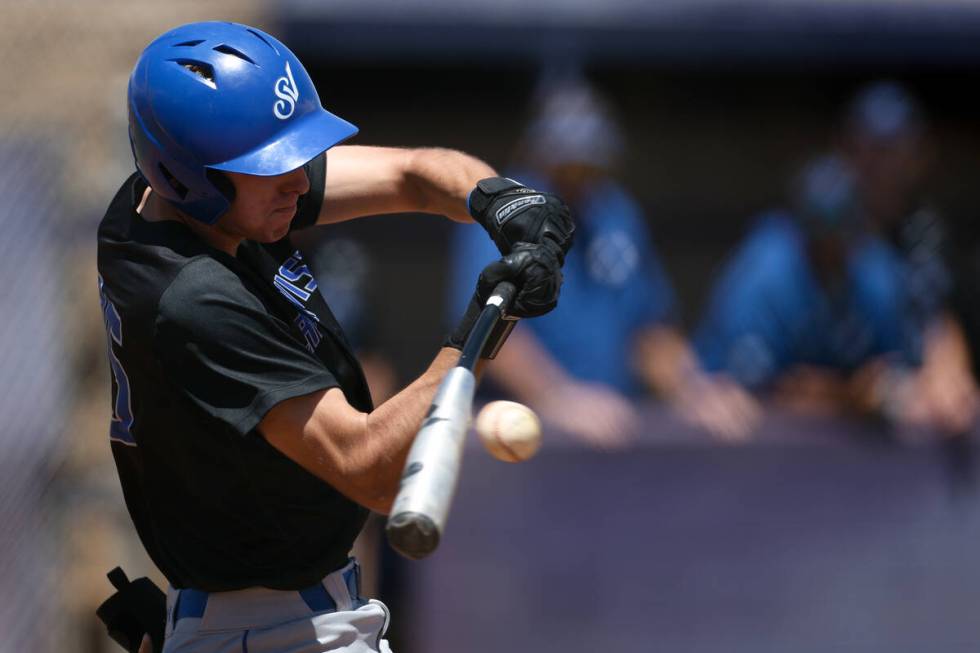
{"x":243,"y":431}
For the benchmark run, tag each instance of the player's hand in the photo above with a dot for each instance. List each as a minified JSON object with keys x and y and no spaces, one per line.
{"x":948,"y":396}
{"x":146,"y":646}
{"x":811,"y":390}
{"x":513,"y":213}
{"x":535,"y":272}
{"x":943,"y":399}
{"x":720,"y":406}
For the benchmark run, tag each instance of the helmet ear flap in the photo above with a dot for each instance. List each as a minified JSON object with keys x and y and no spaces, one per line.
{"x":222,"y":182}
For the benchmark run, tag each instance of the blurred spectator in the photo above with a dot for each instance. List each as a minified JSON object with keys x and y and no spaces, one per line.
{"x":966,"y":293}
{"x":816,"y":309}
{"x":886,"y":140}
{"x":612,"y":337}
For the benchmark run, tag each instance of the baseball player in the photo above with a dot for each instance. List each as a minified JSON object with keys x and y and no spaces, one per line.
{"x":243,"y":432}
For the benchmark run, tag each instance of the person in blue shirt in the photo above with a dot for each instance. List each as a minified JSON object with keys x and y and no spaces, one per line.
{"x":805,"y":288}
{"x":814,"y":307}
{"x":613,"y":337}
{"x":885,"y":138}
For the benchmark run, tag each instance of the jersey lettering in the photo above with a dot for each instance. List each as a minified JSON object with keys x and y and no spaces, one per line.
{"x":296,"y":283}
{"x":122,"y":410}
{"x":310,"y":329}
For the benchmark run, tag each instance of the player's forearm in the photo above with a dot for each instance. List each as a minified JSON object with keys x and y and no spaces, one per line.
{"x":366,"y":180}
{"x":664,"y":360}
{"x":360,"y":454}
{"x":392,"y":427}
{"x":364,"y":458}
{"x":945,"y":346}
{"x":443,"y":179}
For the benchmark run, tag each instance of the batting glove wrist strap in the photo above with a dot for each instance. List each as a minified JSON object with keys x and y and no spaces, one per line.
{"x":488,"y":189}
{"x":513,"y":213}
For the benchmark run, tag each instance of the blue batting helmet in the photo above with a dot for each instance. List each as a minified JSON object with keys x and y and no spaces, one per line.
{"x":211,"y":97}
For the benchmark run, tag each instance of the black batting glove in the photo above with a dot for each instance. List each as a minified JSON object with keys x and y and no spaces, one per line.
{"x":535,"y":272}
{"x":513,"y":213}
{"x":138,"y":607}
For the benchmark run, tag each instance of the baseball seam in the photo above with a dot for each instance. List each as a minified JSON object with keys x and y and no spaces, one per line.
{"x":500,"y":441}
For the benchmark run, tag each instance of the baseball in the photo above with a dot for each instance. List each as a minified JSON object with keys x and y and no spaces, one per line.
{"x":510,"y":431}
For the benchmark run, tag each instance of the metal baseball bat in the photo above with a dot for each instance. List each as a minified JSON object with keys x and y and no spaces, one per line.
{"x":419,"y":513}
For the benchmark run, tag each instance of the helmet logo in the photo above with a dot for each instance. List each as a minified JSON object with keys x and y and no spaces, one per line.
{"x":287,"y":93}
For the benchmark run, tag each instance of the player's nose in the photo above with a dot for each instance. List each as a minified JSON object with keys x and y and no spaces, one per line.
{"x":295,"y":182}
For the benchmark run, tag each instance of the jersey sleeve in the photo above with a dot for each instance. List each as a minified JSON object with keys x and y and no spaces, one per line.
{"x":222,"y":350}
{"x":308,"y":206}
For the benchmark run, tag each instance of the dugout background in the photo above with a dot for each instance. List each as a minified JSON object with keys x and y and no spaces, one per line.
{"x":721,"y":99}
{"x":710,"y":144}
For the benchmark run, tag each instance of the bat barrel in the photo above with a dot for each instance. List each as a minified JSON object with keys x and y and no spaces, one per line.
{"x":413,"y":534}
{"x":428,"y":483}
{"x":421,"y":508}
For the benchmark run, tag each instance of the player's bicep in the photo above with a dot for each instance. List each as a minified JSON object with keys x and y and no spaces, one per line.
{"x":294,"y":425}
{"x":325,"y":435}
{"x":365,"y":180}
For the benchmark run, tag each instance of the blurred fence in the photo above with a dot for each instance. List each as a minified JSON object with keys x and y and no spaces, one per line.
{"x":34,"y":383}
{"x":63,"y":153}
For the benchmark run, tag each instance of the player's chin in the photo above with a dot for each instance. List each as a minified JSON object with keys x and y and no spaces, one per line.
{"x":277,"y":226}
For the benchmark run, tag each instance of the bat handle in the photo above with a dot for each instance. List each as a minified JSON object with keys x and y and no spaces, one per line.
{"x":496,"y":308}
{"x":502,"y":296}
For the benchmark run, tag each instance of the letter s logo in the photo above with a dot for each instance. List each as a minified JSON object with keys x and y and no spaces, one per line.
{"x":287,"y":93}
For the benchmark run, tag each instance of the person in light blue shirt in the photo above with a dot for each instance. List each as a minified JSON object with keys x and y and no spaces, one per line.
{"x":815,"y":308}
{"x":613,"y":338}
{"x":775,"y":309}
{"x":886,"y":138}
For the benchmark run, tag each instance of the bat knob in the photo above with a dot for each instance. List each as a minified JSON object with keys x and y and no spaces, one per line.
{"x":412,"y":534}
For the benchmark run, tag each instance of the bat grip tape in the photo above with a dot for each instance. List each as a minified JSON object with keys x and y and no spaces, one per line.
{"x":486,"y":327}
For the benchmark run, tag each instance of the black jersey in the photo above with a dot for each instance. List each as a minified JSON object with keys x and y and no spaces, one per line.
{"x":201,"y":346}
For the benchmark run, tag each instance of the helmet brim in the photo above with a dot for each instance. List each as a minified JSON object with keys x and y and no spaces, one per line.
{"x":308,"y":137}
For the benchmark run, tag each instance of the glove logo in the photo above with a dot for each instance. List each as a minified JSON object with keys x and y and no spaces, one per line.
{"x":512,"y":208}
{"x":287,"y":93}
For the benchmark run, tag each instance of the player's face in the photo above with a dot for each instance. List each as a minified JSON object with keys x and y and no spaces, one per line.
{"x":890,"y":173}
{"x":263,"y":206}
{"x":571,"y":179}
